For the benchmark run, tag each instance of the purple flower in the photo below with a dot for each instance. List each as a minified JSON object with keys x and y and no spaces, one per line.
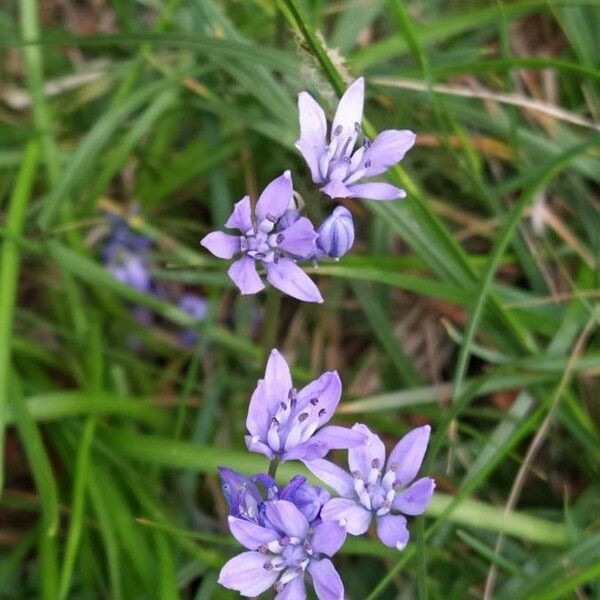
{"x":246,"y":501}
{"x":273,"y":242}
{"x":131,"y":269}
{"x":372,"y":490}
{"x":336,"y":233}
{"x":196,"y":307}
{"x":281,"y":552}
{"x":336,"y":166}
{"x":288,"y":424}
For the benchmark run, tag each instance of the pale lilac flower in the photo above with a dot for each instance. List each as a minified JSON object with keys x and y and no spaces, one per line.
{"x":281,"y":552}
{"x":336,"y":166}
{"x":374,"y":491}
{"x":197,"y":308}
{"x":288,"y":424}
{"x":247,"y":501}
{"x":336,"y":233}
{"x":266,"y":239}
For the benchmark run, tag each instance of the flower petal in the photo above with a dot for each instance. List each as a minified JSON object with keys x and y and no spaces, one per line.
{"x":250,"y":534}
{"x":376,"y":191}
{"x":293,"y":590}
{"x":362,"y":458}
{"x":329,"y":537}
{"x":288,"y":277}
{"x":415,"y":499}
{"x":313,"y":129}
{"x":222,"y":245}
{"x":391,"y":530}
{"x":258,"y":418}
{"x":287,"y":518}
{"x":348,"y":116}
{"x":277,"y":382}
{"x":326,"y":580}
{"x":254,"y":444}
{"x":241,"y":217}
{"x":310,"y":450}
{"x":246,"y":574}
{"x":348,"y":513}
{"x":243,"y":273}
{"x":387,"y":149}
{"x":299,"y":239}
{"x":323,"y":393}
{"x":336,"y":189}
{"x":275,"y":199}
{"x":339,"y":438}
{"x":407,"y":456}
{"x":333,"y":476}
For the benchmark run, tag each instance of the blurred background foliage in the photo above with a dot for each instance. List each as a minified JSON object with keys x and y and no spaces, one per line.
{"x":472,"y":305}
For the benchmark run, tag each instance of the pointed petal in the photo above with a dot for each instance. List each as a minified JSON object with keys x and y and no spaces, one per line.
{"x":387,"y":149}
{"x":254,"y":444}
{"x":288,"y":277}
{"x":277,"y":382}
{"x":407,"y":456}
{"x":275,"y":198}
{"x":348,"y":513}
{"x":299,"y":239}
{"x":323,"y":393}
{"x":222,"y":245}
{"x":243,"y":273}
{"x":285,"y":517}
{"x":246,"y":574}
{"x":313,"y":129}
{"x":329,"y":537}
{"x":362,"y":458}
{"x":415,"y":499}
{"x":250,"y":534}
{"x":336,"y":189}
{"x":293,"y":590}
{"x":241,"y":217}
{"x":376,"y":191}
{"x":258,"y":418}
{"x":348,"y":116}
{"x":333,"y":476}
{"x":339,"y":438}
{"x":391,"y":530}
{"x":326,"y":580}
{"x":310,"y":450}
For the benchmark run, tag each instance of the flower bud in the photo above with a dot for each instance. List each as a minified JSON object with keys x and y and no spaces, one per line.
{"x":336,"y":234}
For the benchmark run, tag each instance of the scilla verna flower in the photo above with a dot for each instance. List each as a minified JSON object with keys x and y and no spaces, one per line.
{"x":280,"y":553}
{"x":336,"y":166}
{"x":265,"y":239}
{"x":288,"y":424}
{"x":376,"y":489}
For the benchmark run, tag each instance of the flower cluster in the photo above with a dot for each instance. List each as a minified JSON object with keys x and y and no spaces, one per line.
{"x":126,"y":255}
{"x":293,"y":531}
{"x":274,"y":237}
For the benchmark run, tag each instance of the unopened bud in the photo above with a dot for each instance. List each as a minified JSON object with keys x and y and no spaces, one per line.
{"x":336,"y":234}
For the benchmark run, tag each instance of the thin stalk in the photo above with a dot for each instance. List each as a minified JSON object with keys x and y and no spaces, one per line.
{"x":271,"y":324}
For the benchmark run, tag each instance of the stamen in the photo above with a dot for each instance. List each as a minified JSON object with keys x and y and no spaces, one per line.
{"x":275,"y":423}
{"x":375,"y":463}
{"x":357,"y":127}
{"x":302,"y":417}
{"x":268,"y":566}
{"x":279,"y":238}
{"x":283,"y":405}
{"x":338,"y":130}
{"x":278,"y":586}
{"x":368,"y":163}
{"x":285,"y":541}
{"x":292,"y":393}
{"x":314,"y":401}
{"x":397,"y":486}
{"x":356,"y":474}
{"x":388,"y":479}
{"x":322,"y":413}
{"x":365,"y":499}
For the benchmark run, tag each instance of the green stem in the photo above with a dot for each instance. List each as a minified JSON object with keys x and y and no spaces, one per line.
{"x":273,"y":467}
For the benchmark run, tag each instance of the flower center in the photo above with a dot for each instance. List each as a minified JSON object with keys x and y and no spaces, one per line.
{"x":261,"y":242}
{"x":379,"y":490}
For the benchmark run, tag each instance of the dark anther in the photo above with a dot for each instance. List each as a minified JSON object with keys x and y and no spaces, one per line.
{"x":338,"y":130}
{"x":367,"y":164}
{"x":322,"y":412}
{"x":283,"y":405}
{"x":302,"y":417}
{"x":357,"y":127}
{"x":375,"y":463}
{"x":268,"y":566}
{"x":280,"y":237}
{"x":314,"y":401}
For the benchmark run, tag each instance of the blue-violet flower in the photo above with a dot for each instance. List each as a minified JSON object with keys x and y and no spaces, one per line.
{"x":335,"y":165}
{"x":281,"y":552}
{"x":374,"y":491}
{"x":336,"y":233}
{"x":288,"y":424}
{"x":269,"y":241}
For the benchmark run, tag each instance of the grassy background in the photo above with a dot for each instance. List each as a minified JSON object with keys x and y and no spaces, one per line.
{"x":473,"y":305}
